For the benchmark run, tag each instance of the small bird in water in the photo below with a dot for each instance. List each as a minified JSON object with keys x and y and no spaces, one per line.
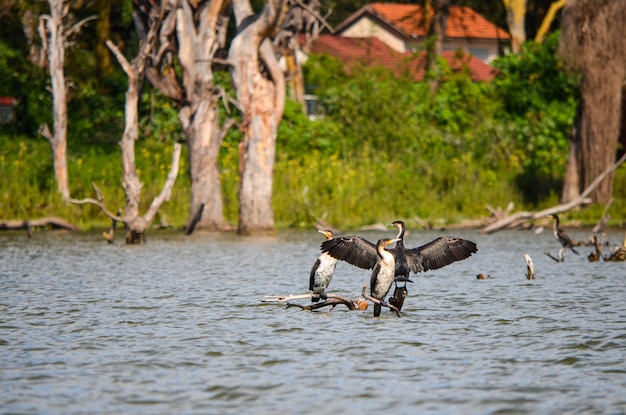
{"x":563,"y":238}
{"x":383,"y":275}
{"x":322,"y":272}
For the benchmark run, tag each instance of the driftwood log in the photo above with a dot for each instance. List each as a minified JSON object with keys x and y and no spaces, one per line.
{"x":332,"y":301}
{"x":519,"y":218}
{"x":46,"y":223}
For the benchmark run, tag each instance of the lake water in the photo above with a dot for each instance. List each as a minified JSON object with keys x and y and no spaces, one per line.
{"x":177,"y":326}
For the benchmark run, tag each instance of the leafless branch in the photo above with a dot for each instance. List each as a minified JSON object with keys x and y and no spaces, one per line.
{"x":121,"y":59}
{"x":99,"y":202}
{"x":522,"y":217}
{"x":44,"y":130}
{"x":165,"y":194}
{"x":76,"y":27}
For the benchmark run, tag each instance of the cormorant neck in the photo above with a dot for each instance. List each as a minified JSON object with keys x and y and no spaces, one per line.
{"x":400,"y":237}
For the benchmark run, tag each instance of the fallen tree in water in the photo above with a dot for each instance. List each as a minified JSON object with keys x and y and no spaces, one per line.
{"x":45,"y":223}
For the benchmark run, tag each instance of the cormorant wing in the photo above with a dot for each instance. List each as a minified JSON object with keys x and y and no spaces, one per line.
{"x":352,"y":249}
{"x":312,"y":275}
{"x":439,"y":253}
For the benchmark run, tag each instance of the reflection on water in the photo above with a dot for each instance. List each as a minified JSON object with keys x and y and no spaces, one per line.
{"x":177,"y":326}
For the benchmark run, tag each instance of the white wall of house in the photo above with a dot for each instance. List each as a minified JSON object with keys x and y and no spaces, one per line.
{"x":365,"y":27}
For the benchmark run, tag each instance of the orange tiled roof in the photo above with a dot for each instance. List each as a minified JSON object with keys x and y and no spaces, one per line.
{"x":462,"y":22}
{"x":372,"y":51}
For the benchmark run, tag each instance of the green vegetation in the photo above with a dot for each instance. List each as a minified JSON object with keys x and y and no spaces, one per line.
{"x":386,"y":148}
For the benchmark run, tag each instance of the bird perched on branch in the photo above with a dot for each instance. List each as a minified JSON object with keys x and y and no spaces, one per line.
{"x":322,"y":271}
{"x":383,"y":275}
{"x":563,"y":238}
{"x":436,"y":254}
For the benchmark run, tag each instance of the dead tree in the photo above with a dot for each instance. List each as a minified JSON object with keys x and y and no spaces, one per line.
{"x":134,"y":222}
{"x":54,"y":36}
{"x":260,"y":86}
{"x":519,"y":218}
{"x":593,"y":44}
{"x":192,"y":34}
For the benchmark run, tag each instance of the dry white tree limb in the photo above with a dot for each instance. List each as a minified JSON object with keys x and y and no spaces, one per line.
{"x":521,"y":217}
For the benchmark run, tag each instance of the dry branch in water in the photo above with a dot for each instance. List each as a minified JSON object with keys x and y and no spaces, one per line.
{"x":522,"y":217}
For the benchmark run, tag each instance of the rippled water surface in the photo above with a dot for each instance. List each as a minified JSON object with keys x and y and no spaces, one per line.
{"x":178,"y":326}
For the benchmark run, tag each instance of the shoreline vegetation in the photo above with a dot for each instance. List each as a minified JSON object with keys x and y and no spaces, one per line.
{"x":30,"y":194}
{"x":385,"y":148}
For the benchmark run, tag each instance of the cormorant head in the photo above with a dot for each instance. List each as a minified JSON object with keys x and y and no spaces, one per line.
{"x":398,"y":224}
{"x":327,"y":233}
{"x":386,"y":242}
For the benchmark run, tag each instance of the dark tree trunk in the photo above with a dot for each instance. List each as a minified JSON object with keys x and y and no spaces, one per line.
{"x":104,"y":66}
{"x":593,"y":43}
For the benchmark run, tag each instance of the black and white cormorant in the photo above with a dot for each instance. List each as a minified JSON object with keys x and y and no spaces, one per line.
{"x":436,"y":254}
{"x":322,"y":272}
{"x":563,"y":238}
{"x":383,"y":274}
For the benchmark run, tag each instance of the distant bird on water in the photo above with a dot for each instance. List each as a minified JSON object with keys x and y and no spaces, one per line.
{"x":383,"y":274}
{"x":322,"y":272}
{"x":563,"y":238}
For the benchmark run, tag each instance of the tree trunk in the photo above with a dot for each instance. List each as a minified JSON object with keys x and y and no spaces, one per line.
{"x":53,"y":36}
{"x":103,"y":29}
{"x":599,"y":129}
{"x":593,"y":43}
{"x":204,"y":141}
{"x":572,"y":183}
{"x":198,"y":41}
{"x":437,"y":33}
{"x":261,"y":96}
{"x":516,"y":19}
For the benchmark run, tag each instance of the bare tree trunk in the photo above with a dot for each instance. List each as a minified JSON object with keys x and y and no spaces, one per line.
{"x":593,"y":43}
{"x":572,"y":183}
{"x":194,"y":31}
{"x":53,"y":35}
{"x":516,"y":19}
{"x":261,"y":95}
{"x":198,"y":41}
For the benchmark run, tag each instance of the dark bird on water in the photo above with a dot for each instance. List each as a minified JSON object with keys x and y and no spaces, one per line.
{"x":563,"y":238}
{"x":436,"y":254}
{"x":383,"y":274}
{"x":322,"y":272}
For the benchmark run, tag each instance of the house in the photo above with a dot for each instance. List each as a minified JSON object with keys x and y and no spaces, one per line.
{"x":391,"y":35}
{"x":372,"y":51}
{"x":403,"y":28}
